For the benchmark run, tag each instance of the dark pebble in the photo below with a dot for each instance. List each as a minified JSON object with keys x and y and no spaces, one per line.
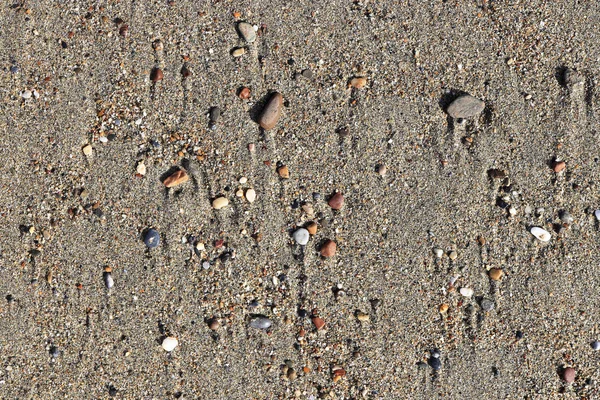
{"x":14,"y":69}
{"x":595,"y":345}
{"x":10,"y":298}
{"x":435,"y":363}
{"x":112,"y":391}
{"x":54,"y":352}
{"x":519,"y":335}
{"x":302,"y":313}
{"x":152,"y":238}
{"x":316,"y":196}
{"x":214,"y":114}
{"x":435,"y":353}
{"x":422,"y":365}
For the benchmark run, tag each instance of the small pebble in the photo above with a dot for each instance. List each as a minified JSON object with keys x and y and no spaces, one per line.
{"x":205,"y":265}
{"x":558,"y":166}
{"x":541,"y":234}
{"x":250,"y":195}
{"x":519,"y":335}
{"x":152,"y":238}
{"x":87,"y":150}
{"x":453,"y":255}
{"x":328,"y":249}
{"x":336,"y":201}
{"x":435,"y":363}
{"x":439,"y":253}
{"x":301,"y":236}
{"x":307,"y":73}
{"x":283,"y":172}
{"x":291,"y":374}
{"x":176,"y":178}
{"x":239,"y":192}
{"x":245,"y":93}
{"x":569,"y":375}
{"x":156,"y":75}
{"x":243,"y":180}
{"x":108,"y":279}
{"x":260,"y":322}
{"x":220,"y":202}
{"x":271,"y":113}
{"x":213,"y":324}
{"x":465,"y":106}
{"x":311,"y":227}
{"x":214,"y":113}
{"x":496,"y":274}
{"x":238,"y":52}
{"x":169,"y":343}
{"x":435,"y":353}
{"x":595,"y":345}
{"x":487,"y":305}
{"x":466,"y":292}
{"x":318,"y":323}
{"x":302,"y":313}
{"x":566,"y":218}
{"x":443,"y":308}
{"x":358,"y":82}
{"x":362,"y":317}
{"x":246,"y":32}
{"x":381,"y":169}
{"x":158,"y":45}
{"x":54,"y":352}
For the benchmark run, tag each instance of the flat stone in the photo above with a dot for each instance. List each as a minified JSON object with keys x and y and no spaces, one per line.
{"x":558,"y":166}
{"x":87,"y":150}
{"x":220,"y":202}
{"x":169,"y":343}
{"x":301,"y":236}
{"x":272,"y":111}
{"x":284,"y":172}
{"x":250,"y":195}
{"x":261,"y":322}
{"x":152,"y":238}
{"x":568,"y":375}
{"x":465,"y":106}
{"x":176,"y":178}
{"x":246,"y":32}
{"x":336,"y":201}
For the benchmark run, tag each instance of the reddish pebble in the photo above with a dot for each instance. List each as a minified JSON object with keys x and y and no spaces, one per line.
{"x":156,"y":75}
{"x":569,"y":375}
{"x":336,"y":201}
{"x":318,"y":322}
{"x":559,"y":166}
{"x":328,"y":249}
{"x":124,"y":31}
{"x":244,"y":93}
{"x":270,"y":114}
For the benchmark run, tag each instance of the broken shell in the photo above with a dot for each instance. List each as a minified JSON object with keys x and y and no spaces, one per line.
{"x":467,"y":292}
{"x":541,"y":234}
{"x":169,"y":343}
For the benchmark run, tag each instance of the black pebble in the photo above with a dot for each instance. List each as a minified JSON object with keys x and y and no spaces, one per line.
{"x":54,"y":352}
{"x":10,"y":298}
{"x":302,"y":313}
{"x":501,"y":203}
{"x":519,"y":335}
{"x":112,"y":391}
{"x":214,"y":113}
{"x":435,"y":363}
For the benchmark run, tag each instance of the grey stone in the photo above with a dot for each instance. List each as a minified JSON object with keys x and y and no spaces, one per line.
{"x":261,"y":322}
{"x":465,"y":106}
{"x":152,"y":238}
{"x":487,"y":305}
{"x":247,"y":32}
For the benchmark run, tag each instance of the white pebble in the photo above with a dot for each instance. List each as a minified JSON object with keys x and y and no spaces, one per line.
{"x":301,"y":236}
{"x":597,"y":214}
{"x":467,"y":292}
{"x":250,"y":195}
{"x":169,"y":343}
{"x":512,"y":211}
{"x":108,"y":281}
{"x":243,"y":180}
{"x":26,"y":94}
{"x":141,"y":168}
{"x":542,"y":234}
{"x":103,"y":139}
{"x":220,"y":202}
{"x":438,"y":252}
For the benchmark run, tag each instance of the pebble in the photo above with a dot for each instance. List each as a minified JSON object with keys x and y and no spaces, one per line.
{"x":307,"y":73}
{"x":270,"y":114}
{"x":312,"y":228}
{"x":152,"y":238}
{"x":328,"y":249}
{"x":595,"y":345}
{"x":566,"y":218}
{"x":243,"y":180}
{"x":467,"y":292}
{"x":220,"y":202}
{"x":261,"y":322}
{"x":558,"y":166}
{"x":439,"y":253}
{"x":381,"y":169}
{"x":336,"y":201}
{"x":284,"y":172}
{"x":247,"y":32}
{"x":453,"y":255}
{"x":569,"y":375}
{"x":245,"y":93}
{"x":318,"y":323}
{"x":214,"y":113}
{"x":108,"y":279}
{"x":301,"y":236}
{"x":239,"y":192}
{"x":251,"y":195}
{"x":465,"y":106}
{"x":213,"y":324}
{"x":87,"y":150}
{"x":496,"y":273}
{"x":54,"y":352}
{"x":362,"y":317}
{"x":238,"y":52}
{"x":443,"y":308}
{"x":176,"y":178}
{"x":169,"y":343}
{"x":291,"y":374}
{"x":597,"y":215}
{"x":541,"y":234}
{"x":358,"y":82}
{"x":487,"y":305}
{"x":205,"y":265}
{"x":156,"y":75}
{"x":435,"y":363}
{"x":435,"y":353}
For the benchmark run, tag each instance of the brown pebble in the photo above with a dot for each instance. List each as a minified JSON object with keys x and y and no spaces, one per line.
{"x":270,"y":114}
{"x":443,"y":308}
{"x":496,"y":273}
{"x":336,"y":201}
{"x":283,"y":172}
{"x":107,"y":269}
{"x":569,"y":375}
{"x":558,"y":166}
{"x":318,"y":323}
{"x":214,"y":324}
{"x":311,"y":227}
{"x":124,"y":31}
{"x":328,"y":249}
{"x":156,"y":75}
{"x":358,"y":83}
{"x":245,"y":93}
{"x":176,"y":178}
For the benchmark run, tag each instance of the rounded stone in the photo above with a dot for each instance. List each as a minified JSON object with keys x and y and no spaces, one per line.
{"x":261,"y":322}
{"x":220,"y":202}
{"x":496,"y":274}
{"x":250,"y":195}
{"x":213,"y":324}
{"x":336,"y":201}
{"x":247,"y":32}
{"x":487,"y":305}
{"x":595,"y":345}
{"x":558,"y":166}
{"x":152,"y":238}
{"x":467,"y":292}
{"x":301,"y":236}
{"x":156,"y":75}
{"x":271,"y":113}
{"x":465,"y":106}
{"x":169,"y":343}
{"x":328,"y":249}
{"x":569,"y":375}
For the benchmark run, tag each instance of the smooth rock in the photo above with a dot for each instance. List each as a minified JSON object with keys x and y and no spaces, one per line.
{"x":328,"y":249}
{"x":381,"y":169}
{"x":465,"y":106}
{"x":453,"y":255}
{"x":156,"y":75}
{"x":261,"y":322}
{"x":141,"y":168}
{"x":569,"y":375}
{"x":214,"y":113}
{"x":358,"y":82}
{"x":597,"y":215}
{"x":284,"y":172}
{"x":467,"y":292}
{"x":558,"y":166}
{"x":152,"y":238}
{"x":487,"y":305}
{"x":595,"y":345}
{"x":496,"y":274}
{"x":435,"y":363}
{"x":108,"y":280}
{"x":87,"y":150}
{"x":541,"y":234}
{"x":238,"y":52}
{"x":250,"y":195}
{"x":213,"y":324}
{"x":336,"y":201}
{"x":439,"y":253}
{"x":220,"y":202}
{"x":169,"y":343}
{"x":246,"y":32}
{"x":311,"y":227}
{"x":245,"y":93}
{"x":318,"y":323}
{"x":301,"y":236}
{"x":435,"y":353}
{"x":272,"y":111}
{"x":176,"y":178}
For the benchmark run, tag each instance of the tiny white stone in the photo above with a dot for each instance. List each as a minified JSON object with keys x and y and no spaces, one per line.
{"x":467,"y":292}
{"x":541,"y":234}
{"x":250,"y":195}
{"x":243,"y":180}
{"x":26,"y":94}
{"x":301,"y":236}
{"x":169,"y":343}
{"x":438,"y":252}
{"x":512,"y":210}
{"x":597,"y":214}
{"x":103,"y":139}
{"x":239,"y":193}
{"x":141,"y":168}
{"x":87,"y":150}
{"x":108,"y":281}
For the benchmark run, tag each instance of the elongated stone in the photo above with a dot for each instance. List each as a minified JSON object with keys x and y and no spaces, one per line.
{"x":270,"y":114}
{"x":247,"y":32}
{"x":261,"y":322}
{"x":465,"y":106}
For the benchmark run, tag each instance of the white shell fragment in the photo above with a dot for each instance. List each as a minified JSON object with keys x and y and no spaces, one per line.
{"x":541,"y":234}
{"x":169,"y":343}
{"x":467,"y":292}
{"x":597,"y":214}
